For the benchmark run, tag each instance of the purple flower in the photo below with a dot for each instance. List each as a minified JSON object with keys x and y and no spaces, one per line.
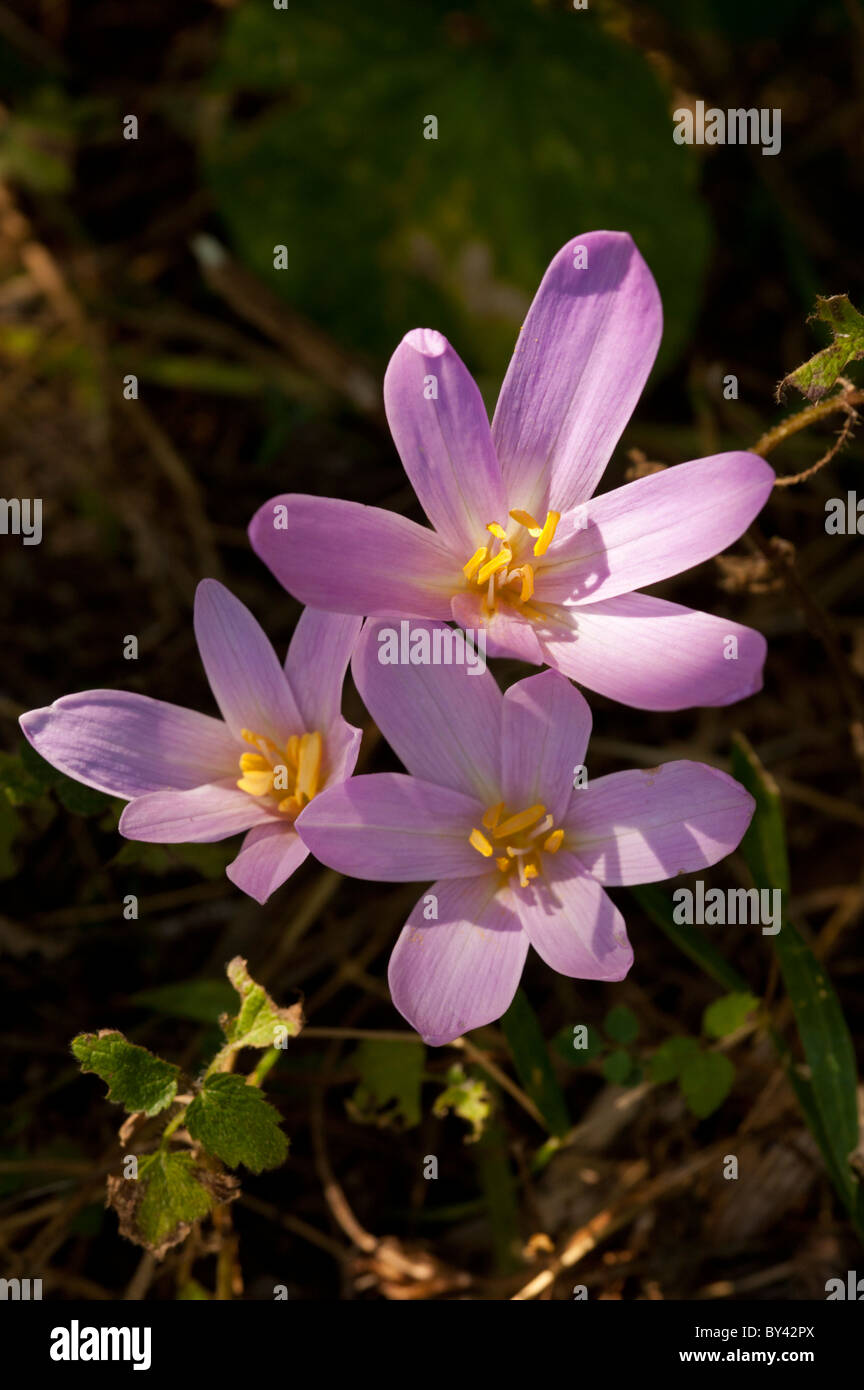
{"x":519,"y":545}
{"x":189,"y":777}
{"x":489,"y":810}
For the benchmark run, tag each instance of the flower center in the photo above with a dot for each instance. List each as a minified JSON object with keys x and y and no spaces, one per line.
{"x":525,"y":836}
{"x":496,"y":568}
{"x":290,"y":776}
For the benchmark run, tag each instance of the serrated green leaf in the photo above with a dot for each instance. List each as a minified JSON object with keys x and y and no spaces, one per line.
{"x":136,"y":1079}
{"x":815,"y":378}
{"x":391,"y":1075}
{"x":260,"y":1023}
{"x":202,"y":1001}
{"x":233,"y":1122}
{"x":617,"y":1066}
{"x":533,"y":1064}
{"x":621,"y":1025}
{"x":667,"y":1062}
{"x":468,"y":1097}
{"x":706,"y":1080}
{"x":157,"y":1208}
{"x":727,"y":1014}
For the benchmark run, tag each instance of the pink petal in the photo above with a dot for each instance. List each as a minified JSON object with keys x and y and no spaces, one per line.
{"x":127,"y":744}
{"x":654,"y":823}
{"x":354,"y":559}
{"x":444,"y":439}
{"x":652,"y":654}
{"x":269,"y":855}
{"x":316,"y":663}
{"x":545,"y":732}
{"x":442,"y":722}
{"x":578,"y":369}
{"x":572,"y":923}
{"x":654,"y":527}
{"x":199,"y":816}
{"x":250,"y":686}
{"x":460,"y":970}
{"x":391,"y":827}
{"x":506,"y":633}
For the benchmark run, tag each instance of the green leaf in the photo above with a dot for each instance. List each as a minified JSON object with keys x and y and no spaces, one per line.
{"x":468,"y":1097}
{"x":456,"y":230}
{"x":656,"y":903}
{"x":391,"y":1075}
{"x":533,"y":1064}
{"x":617,"y":1066}
{"x":706,"y":1080}
{"x":815,"y":378}
{"x":157,"y":1208}
{"x":202,"y":1001}
{"x":621,"y":1024}
{"x":565,"y":1040}
{"x":136,"y":1079}
{"x":727,"y":1014}
{"x":260,"y":1022}
{"x":667,"y":1062}
{"x":233,"y":1121}
{"x":821,"y":1025}
{"x":17,"y":781}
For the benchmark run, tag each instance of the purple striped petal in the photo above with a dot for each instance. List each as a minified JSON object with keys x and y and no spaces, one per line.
{"x":655,"y":527}
{"x":545,"y":732}
{"x":572,"y":923}
{"x":354,"y":559}
{"x":652,"y":654}
{"x":441,"y":430}
{"x":578,"y":369}
{"x":269,"y":855}
{"x":127,"y":744}
{"x":395,"y":828}
{"x":506,"y":633}
{"x":249,"y":685}
{"x":461,"y":969}
{"x":653,"y":823}
{"x":199,"y":816}
{"x":316,"y":663}
{"x":442,"y":722}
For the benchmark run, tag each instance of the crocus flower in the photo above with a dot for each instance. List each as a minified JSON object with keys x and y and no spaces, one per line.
{"x":519,"y":544}
{"x":190,"y":777}
{"x":520,"y":857}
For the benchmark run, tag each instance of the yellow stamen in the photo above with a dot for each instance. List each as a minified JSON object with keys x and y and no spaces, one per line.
{"x":309,"y":765}
{"x":520,"y":821}
{"x":253,"y":762}
{"x":544,"y":540}
{"x":505,"y":865}
{"x":259,"y":741}
{"x":256,"y":783}
{"x":499,"y":561}
{"x":528,"y":871}
{"x":526,"y":519}
{"x":476,"y":560}
{"x":493,"y":815}
{"x":496,"y":530}
{"x":527,"y":574}
{"x":478,"y":841}
{"x":553,"y":842}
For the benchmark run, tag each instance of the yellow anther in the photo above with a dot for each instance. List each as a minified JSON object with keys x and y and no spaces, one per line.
{"x":505,"y":865}
{"x":553,"y":842}
{"x":526,"y":519}
{"x":528,"y":871}
{"x":527,"y":576}
{"x":521,"y":821}
{"x":293,"y":804}
{"x":259,"y":741}
{"x":253,"y":762}
{"x":496,"y":530}
{"x":477,"y":840}
{"x":256,"y":783}
{"x":493,"y":815}
{"x":309,"y":765}
{"x":292,"y":751}
{"x":474,"y":563}
{"x":544,"y":540}
{"x":498,"y":562}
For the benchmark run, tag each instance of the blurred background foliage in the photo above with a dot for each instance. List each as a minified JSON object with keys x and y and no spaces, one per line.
{"x":304,"y":128}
